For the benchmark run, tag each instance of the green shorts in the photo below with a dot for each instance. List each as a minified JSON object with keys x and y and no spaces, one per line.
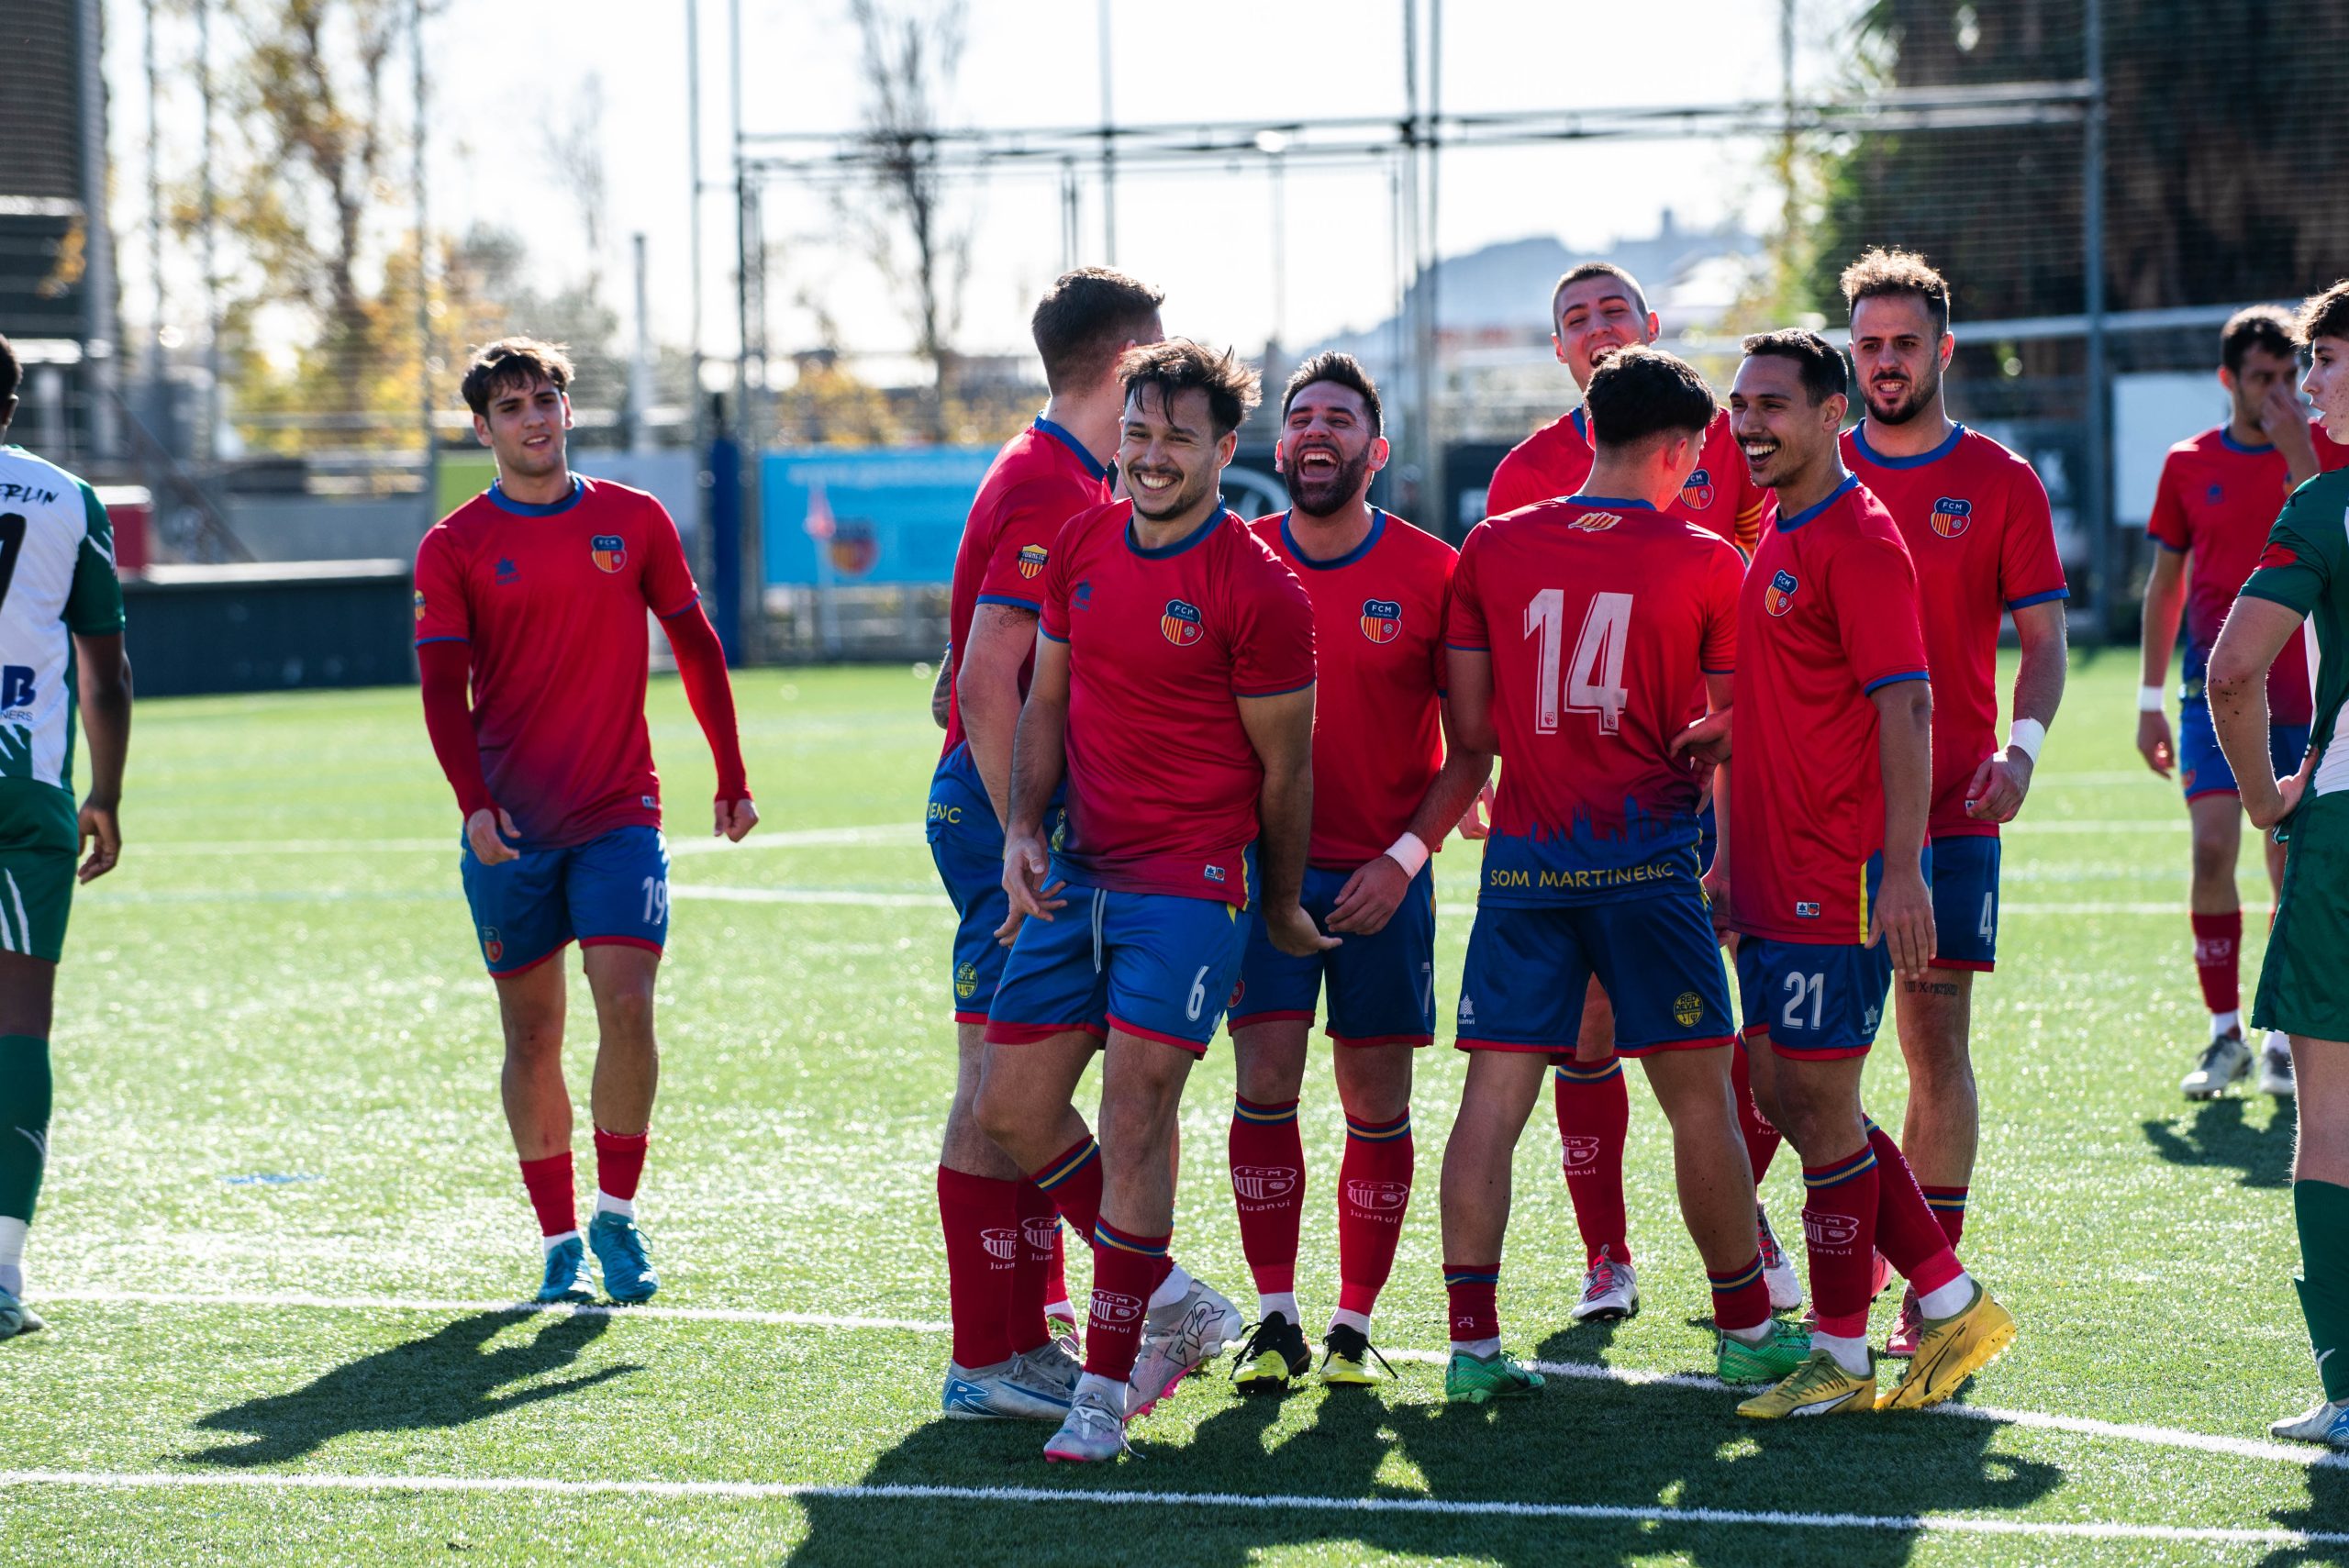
{"x":36,"y":896}
{"x":2304,"y":982}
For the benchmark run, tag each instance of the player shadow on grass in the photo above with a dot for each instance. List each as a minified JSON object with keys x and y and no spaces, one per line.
{"x":1593,"y":1443}
{"x":2217,"y":1135}
{"x":2327,"y":1510}
{"x":446,"y":1378}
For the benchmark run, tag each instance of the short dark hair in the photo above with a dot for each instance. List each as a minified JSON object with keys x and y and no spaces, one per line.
{"x":1879,"y":271}
{"x":512,"y":363}
{"x":1178,"y":364}
{"x":1085,"y":318}
{"x":1575,"y":274}
{"x":2324,"y":315}
{"x":2264,"y":327}
{"x":1640,"y":392}
{"x":1343,"y":369}
{"x":12,"y":375}
{"x":1823,"y":374}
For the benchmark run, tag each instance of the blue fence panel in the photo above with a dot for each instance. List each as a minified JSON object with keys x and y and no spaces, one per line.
{"x":876,"y":515}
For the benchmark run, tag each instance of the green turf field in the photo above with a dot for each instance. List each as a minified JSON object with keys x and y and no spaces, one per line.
{"x":281,"y":1212}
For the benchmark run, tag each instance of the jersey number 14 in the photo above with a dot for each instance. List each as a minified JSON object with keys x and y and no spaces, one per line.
{"x":1593,"y":679}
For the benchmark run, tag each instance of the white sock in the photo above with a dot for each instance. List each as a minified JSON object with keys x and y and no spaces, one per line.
{"x":1851,"y":1354}
{"x":1753,"y":1336}
{"x":1176,"y":1286}
{"x":549,"y":1243}
{"x":606,"y":1203}
{"x":2226,"y":1023}
{"x":1111,"y":1394}
{"x":1477,"y":1348}
{"x":1061,"y":1308}
{"x":12,"y":1256}
{"x":1358,"y":1322}
{"x":1949,"y":1300}
{"x":1281,"y":1301}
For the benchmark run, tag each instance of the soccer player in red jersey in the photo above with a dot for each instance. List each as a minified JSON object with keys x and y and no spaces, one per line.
{"x":2217,"y":495}
{"x":1173,"y":690}
{"x":1586,"y":634}
{"x":1824,"y":871}
{"x":1596,"y":309}
{"x":1002,"y":1240}
{"x":1387,"y":798}
{"x":1975,"y":520}
{"x":534,"y":594}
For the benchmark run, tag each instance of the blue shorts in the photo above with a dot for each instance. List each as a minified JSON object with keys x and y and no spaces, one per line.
{"x":1153,"y":964}
{"x":966,"y":845}
{"x":1813,"y":999}
{"x":1382,"y":988}
{"x":1709,"y":836}
{"x":613,"y":889}
{"x":2202,"y":767}
{"x":1965,"y":902}
{"x":1530,"y":967}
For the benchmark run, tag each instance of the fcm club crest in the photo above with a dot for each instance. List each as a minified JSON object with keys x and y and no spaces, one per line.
{"x":609,"y":551}
{"x":1031,"y":559}
{"x":1262,"y":1184}
{"x":1378,"y":1197}
{"x":1112,"y":1309}
{"x":1951,"y":517}
{"x":1002,"y":1242}
{"x":1779,"y":597}
{"x":493,"y":947}
{"x":1580,"y":1150}
{"x":1180,"y":622}
{"x":1382,"y":619}
{"x":1699,"y":491}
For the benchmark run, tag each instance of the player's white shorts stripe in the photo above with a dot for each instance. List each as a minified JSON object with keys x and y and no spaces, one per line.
{"x":8,"y":943}
{"x":24,"y":925}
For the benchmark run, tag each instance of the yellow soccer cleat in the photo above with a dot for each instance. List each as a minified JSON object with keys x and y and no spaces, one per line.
{"x":1951,"y":1350}
{"x":1346,"y":1359}
{"x":1818,"y":1387}
{"x":1275,"y":1356}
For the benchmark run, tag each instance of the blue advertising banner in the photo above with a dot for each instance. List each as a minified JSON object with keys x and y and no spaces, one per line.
{"x":876,"y":515}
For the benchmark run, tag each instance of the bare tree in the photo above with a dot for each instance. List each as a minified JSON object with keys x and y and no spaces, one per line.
{"x":574,"y":149}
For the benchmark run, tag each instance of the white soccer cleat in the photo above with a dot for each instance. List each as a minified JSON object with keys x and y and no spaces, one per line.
{"x":1610,"y":1290}
{"x":1049,"y":1366}
{"x":1778,"y":1270}
{"x":1093,"y":1432}
{"x":2325,"y":1422}
{"x":2276,"y":1065}
{"x":1175,"y":1341}
{"x":1007,"y":1391}
{"x":2224,"y":1061}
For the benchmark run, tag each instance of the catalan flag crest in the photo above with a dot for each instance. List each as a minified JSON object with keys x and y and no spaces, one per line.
{"x":1180,"y":622}
{"x":1031,"y":559}
{"x":609,"y":551}
{"x":1699,"y":491}
{"x":1779,"y":597}
{"x":1382,"y":619}
{"x":1951,"y":517}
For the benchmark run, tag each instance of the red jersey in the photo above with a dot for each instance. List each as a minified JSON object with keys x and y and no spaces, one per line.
{"x":1378,"y":684}
{"x":1975,"y":520}
{"x":551,"y":599}
{"x":1602,"y":618}
{"x":1829,"y":613}
{"x":1162,"y":780}
{"x":1042,"y":478}
{"x":1553,"y":461}
{"x":2215,"y":503}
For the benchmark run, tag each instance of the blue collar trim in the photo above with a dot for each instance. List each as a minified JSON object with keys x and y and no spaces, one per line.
{"x":1059,"y":433}
{"x":1860,"y":440}
{"x":1369,"y":542}
{"x":505,"y":503}
{"x":1578,"y":499}
{"x":2227,"y":438}
{"x":1581,"y":423}
{"x":1215,"y":520}
{"x":1788,"y":524}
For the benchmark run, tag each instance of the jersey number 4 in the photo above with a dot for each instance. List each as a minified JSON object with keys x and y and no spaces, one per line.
{"x":12,"y":542}
{"x":1594,"y":677}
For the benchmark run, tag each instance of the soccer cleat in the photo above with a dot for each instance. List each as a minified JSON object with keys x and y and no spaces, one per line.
{"x":1007,"y":1391}
{"x":1275,"y":1354}
{"x":1778,"y":1357}
{"x":1175,"y":1340}
{"x":1346,"y":1355}
{"x":1820,"y":1387}
{"x":1951,"y":1350}
{"x":1610,"y":1292}
{"x":1092,"y":1432}
{"x":1480,"y":1380}
{"x":1778,"y":1270}
{"x":619,"y":1252}
{"x":566,"y":1277}
{"x":16,"y":1318}
{"x":1060,"y":1321}
{"x":2326,"y":1422}
{"x":1050,"y":1365}
{"x":1908,"y":1326}
{"x":2225,"y":1060}
{"x":2276,"y":1065}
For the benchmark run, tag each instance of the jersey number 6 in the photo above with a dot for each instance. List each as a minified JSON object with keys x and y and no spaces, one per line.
{"x":1593,"y":676}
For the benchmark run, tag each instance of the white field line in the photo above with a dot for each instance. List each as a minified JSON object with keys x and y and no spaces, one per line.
{"x":1903,"y":1524}
{"x":2307,"y":1456}
{"x":812,"y":895}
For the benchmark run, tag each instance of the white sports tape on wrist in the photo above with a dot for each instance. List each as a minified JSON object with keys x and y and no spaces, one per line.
{"x":2027,"y":736}
{"x":1408,"y":853}
{"x":2149,"y":699}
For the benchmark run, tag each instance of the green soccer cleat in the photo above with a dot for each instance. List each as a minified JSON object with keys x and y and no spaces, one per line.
{"x":1818,"y":1387}
{"x":566,"y":1277}
{"x":1776,"y":1357}
{"x":1275,"y":1356}
{"x":16,"y":1318}
{"x":1479,"y":1380}
{"x":619,"y":1252}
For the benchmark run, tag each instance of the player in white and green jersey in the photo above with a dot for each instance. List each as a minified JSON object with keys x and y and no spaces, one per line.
{"x":61,"y":653}
{"x":2304,"y":576}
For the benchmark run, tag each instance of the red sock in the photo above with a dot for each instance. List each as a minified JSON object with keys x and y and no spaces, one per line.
{"x":548,"y":1182}
{"x":1056,"y":1272}
{"x":1268,"y":1187}
{"x":1071,"y":1179}
{"x":1472,"y":1290}
{"x":1839,"y":1225}
{"x":1740,"y":1298}
{"x":619,"y":1161}
{"x":978,"y":1215}
{"x":1908,"y":1235}
{"x":2218,"y":959}
{"x":1126,"y":1270}
{"x":1040,"y":1235}
{"x":1374,"y":1191}
{"x":1762,"y":1139}
{"x":1593,"y":1113}
{"x":1948,"y":1204}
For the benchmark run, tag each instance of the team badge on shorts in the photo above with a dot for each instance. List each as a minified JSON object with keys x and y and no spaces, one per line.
{"x":1688,"y":1007}
{"x":493,"y":947}
{"x":1779,"y":597}
{"x":1031,"y":559}
{"x":1699,"y":491}
{"x":1180,"y":622}
{"x":1951,"y":517}
{"x":609,"y":551}
{"x":1382,"y":619}
{"x":1596,"y":522}
{"x":967,"y":980}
